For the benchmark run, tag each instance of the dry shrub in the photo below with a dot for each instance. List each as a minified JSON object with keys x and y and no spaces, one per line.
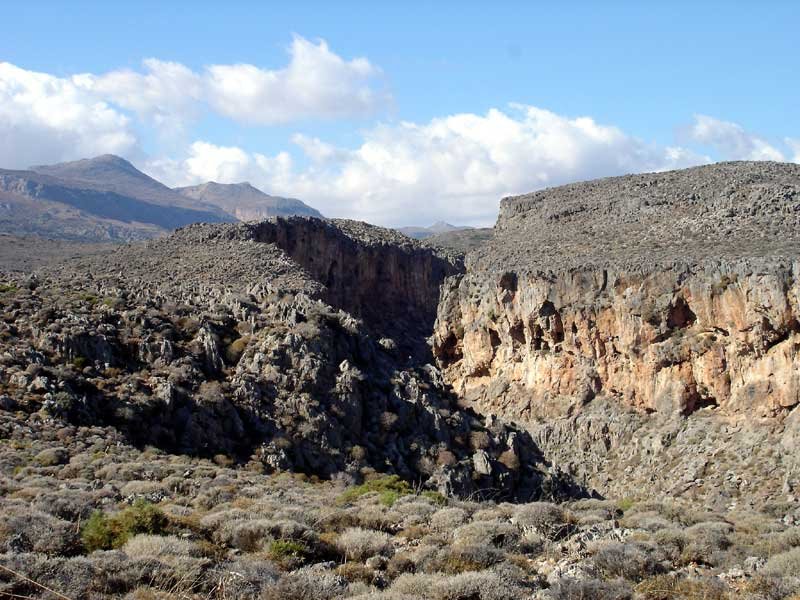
{"x":245,"y":578}
{"x":704,"y":541}
{"x":590,"y":589}
{"x":483,"y":585}
{"x":146,"y":546}
{"x":498,"y":534}
{"x":544,"y":518}
{"x":354,"y":572}
{"x":461,"y":559}
{"x":785,"y":564}
{"x":632,"y":561}
{"x":28,"y":530}
{"x":448,"y":519}
{"x":671,"y":587}
{"x":305,"y":584}
{"x":360,"y":544}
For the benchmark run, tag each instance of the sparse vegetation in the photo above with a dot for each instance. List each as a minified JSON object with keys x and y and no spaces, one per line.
{"x":205,"y":524}
{"x":389,"y":489}
{"x":103,"y":532}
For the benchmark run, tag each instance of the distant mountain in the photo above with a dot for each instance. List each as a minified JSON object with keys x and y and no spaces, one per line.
{"x":420,"y":233}
{"x":246,"y":202}
{"x":461,"y":240}
{"x":114,"y":174}
{"x":100,"y":199}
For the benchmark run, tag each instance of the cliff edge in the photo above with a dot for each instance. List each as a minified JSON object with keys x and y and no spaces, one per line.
{"x":613,"y":317}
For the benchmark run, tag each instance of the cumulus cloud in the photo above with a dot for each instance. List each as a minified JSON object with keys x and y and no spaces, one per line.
{"x":48,"y":119}
{"x":794,"y":145}
{"x":455,"y":167}
{"x":452,"y":167}
{"x":316,"y":83}
{"x":731,"y":140}
{"x":165,"y":93}
{"x":44,"y":118}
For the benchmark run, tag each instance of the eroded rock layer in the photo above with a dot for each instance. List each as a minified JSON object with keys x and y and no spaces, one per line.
{"x":674,"y":295}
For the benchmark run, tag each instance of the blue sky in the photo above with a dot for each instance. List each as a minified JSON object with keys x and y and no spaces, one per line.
{"x":390,"y":116}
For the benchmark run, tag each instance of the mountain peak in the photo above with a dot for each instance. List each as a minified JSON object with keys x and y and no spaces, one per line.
{"x":247,"y":202}
{"x":87,"y":165}
{"x":113,"y":173}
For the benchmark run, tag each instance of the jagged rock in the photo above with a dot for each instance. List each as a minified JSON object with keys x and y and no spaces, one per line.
{"x":672,"y":294}
{"x":295,"y":342}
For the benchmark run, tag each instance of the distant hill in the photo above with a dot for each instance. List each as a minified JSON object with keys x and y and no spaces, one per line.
{"x":32,"y":203}
{"x":420,"y":233}
{"x":108,"y":199}
{"x":246,"y":202}
{"x":460,"y":240}
{"x":114,"y":174}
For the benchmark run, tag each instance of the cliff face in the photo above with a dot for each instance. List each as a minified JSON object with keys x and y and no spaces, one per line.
{"x":676,"y":340}
{"x":374,"y":273}
{"x":239,"y":340}
{"x":655,"y":297}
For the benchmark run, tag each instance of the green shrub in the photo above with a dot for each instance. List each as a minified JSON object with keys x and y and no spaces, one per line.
{"x":113,"y":302}
{"x":103,"y":532}
{"x":390,"y":488}
{"x":281,"y":550}
{"x":96,"y":533}
{"x":88,"y":298}
{"x":388,"y":498}
{"x":435,"y":497}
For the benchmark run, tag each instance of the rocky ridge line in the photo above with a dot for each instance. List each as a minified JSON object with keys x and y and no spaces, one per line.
{"x":668,"y":294}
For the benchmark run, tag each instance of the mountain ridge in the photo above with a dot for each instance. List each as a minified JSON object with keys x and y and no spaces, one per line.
{"x":246,"y":202}
{"x":107,"y":199}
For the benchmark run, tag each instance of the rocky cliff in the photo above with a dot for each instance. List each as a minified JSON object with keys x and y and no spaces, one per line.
{"x":376,"y":274}
{"x":620,"y":319}
{"x":263,"y":343}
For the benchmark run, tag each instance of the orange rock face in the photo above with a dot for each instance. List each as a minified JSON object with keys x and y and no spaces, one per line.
{"x":669,"y":341}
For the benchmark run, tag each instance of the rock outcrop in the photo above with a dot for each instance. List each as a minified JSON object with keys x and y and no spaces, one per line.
{"x":671,"y":294}
{"x":265,"y":343}
{"x":374,"y":273}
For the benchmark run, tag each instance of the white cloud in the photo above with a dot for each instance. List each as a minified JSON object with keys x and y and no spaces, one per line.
{"x":316,"y":83}
{"x":794,"y":145}
{"x":48,"y":119}
{"x":455,"y":167}
{"x":731,"y":140}
{"x":166,"y":93}
{"x":44,"y":118}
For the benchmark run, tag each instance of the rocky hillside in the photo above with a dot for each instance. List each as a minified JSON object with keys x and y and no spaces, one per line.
{"x":256,"y":410}
{"x":246,"y":202}
{"x":263,"y":343}
{"x":639,"y":322}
